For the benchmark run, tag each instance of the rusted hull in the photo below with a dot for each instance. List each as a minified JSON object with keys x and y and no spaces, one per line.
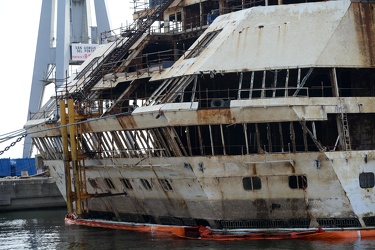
{"x":204,"y":233}
{"x":211,"y":191}
{"x":280,"y":136}
{"x":160,"y":230}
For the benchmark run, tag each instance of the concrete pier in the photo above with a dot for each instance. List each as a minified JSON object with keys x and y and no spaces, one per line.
{"x":29,"y":193}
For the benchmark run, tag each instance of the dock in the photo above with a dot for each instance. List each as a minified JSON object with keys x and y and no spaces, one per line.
{"x":18,"y":193}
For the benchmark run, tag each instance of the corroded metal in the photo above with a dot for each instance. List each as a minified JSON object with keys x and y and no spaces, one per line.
{"x":264,"y":122}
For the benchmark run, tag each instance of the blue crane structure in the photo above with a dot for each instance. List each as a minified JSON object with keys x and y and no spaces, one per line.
{"x":63,"y":23}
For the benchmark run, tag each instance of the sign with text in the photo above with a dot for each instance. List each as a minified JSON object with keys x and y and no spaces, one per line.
{"x":80,"y":52}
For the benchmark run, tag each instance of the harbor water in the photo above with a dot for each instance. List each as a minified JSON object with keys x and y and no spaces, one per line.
{"x":46,"y":230}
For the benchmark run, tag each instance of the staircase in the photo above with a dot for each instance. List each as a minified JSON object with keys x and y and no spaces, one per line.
{"x":121,"y":47}
{"x":116,"y":108}
{"x":169,"y":90}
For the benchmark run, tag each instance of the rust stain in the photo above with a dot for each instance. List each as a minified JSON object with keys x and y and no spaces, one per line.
{"x":254,"y":169}
{"x":127,"y":122}
{"x":365,"y":30}
{"x":215,"y":116}
{"x":86,"y":127}
{"x":293,"y":168}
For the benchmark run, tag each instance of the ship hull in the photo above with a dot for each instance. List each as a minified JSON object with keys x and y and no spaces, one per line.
{"x":214,"y":191}
{"x":205,"y":233}
{"x":250,"y":129}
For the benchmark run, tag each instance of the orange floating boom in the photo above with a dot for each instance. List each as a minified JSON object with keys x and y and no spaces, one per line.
{"x":204,"y":233}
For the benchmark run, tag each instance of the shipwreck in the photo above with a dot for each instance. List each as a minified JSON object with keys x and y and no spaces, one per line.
{"x":234,"y":115}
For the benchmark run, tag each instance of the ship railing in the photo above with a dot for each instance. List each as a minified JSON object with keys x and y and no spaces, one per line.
{"x":120,"y":46}
{"x":79,"y":78}
{"x":239,"y":149}
{"x":148,"y":61}
{"x":118,"y":36}
{"x":196,"y":23}
{"x":47,"y":112}
{"x":217,"y":99}
{"x":132,"y":153}
{"x":221,"y":98}
{"x":211,"y":98}
{"x":118,"y":33}
{"x":151,"y":61}
{"x":272,"y":92}
{"x":214,"y":150}
{"x":94,"y":108}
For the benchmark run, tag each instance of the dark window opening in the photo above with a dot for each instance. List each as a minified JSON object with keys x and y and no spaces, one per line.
{"x":366,"y":180}
{"x":166,"y":185}
{"x":360,"y":127}
{"x":109,"y":183}
{"x":355,"y":82}
{"x":209,"y":37}
{"x":252,"y":183}
{"x":93,"y":183}
{"x":126,"y":183}
{"x":339,"y":222}
{"x":297,"y":181}
{"x":369,"y":221}
{"x":146,"y":184}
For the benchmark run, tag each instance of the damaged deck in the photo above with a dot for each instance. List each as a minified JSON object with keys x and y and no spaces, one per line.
{"x":247,"y":117}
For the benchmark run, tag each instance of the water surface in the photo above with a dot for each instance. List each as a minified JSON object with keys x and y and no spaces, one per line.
{"x":46,"y":230}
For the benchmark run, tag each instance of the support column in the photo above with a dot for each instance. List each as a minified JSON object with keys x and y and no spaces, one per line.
{"x":64,"y":136}
{"x":223,"y":7}
{"x":339,"y":123}
{"x":73,"y":25}
{"x":74,"y":154}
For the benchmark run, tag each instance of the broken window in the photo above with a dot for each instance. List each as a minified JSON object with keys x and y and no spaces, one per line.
{"x":146,"y":184}
{"x":366,"y":180}
{"x":252,"y":183}
{"x":166,"y":185}
{"x":109,"y":183}
{"x":206,"y":40}
{"x":126,"y":183}
{"x":93,"y":183}
{"x":297,"y":181}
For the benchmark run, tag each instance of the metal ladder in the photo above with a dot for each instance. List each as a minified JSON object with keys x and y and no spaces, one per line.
{"x":345,"y":128}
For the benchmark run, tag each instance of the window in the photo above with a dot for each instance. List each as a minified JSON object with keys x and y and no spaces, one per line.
{"x":126,"y":183}
{"x":166,"y":185}
{"x":93,"y":183}
{"x":146,"y":184}
{"x":206,"y":40}
{"x":366,"y":180}
{"x":252,"y":183}
{"x":297,"y":182}
{"x":109,"y":183}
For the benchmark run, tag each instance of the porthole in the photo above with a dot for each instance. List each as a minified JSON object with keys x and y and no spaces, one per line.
{"x":366,"y":180}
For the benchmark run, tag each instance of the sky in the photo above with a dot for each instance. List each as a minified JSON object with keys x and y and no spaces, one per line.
{"x":19,"y":23}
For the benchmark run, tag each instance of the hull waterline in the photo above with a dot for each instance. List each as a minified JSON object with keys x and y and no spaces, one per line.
{"x":205,"y":233}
